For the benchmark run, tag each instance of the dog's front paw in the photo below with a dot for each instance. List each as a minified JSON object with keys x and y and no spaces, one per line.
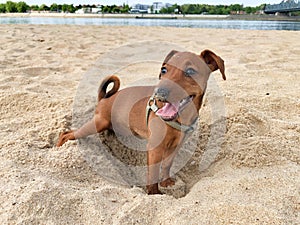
{"x":64,"y":137}
{"x":168,"y":182}
{"x":153,"y":189}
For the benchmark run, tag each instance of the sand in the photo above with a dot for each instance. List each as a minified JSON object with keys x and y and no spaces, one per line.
{"x":254,"y":177}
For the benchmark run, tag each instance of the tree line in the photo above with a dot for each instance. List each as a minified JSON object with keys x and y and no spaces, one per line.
{"x":212,"y":9}
{"x":21,"y":7}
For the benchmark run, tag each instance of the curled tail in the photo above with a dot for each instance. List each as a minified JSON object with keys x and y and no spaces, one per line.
{"x":103,"y":86}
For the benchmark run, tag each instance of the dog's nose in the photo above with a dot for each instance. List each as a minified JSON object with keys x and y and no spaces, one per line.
{"x":161,"y":93}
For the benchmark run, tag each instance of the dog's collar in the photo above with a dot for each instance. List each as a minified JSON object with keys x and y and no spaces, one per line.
{"x":178,"y":126}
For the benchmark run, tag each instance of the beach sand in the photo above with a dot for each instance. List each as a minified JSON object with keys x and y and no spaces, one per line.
{"x":253,"y":179}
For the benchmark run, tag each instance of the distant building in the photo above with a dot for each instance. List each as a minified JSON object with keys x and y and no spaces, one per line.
{"x":89,"y":10}
{"x":157,"y":6}
{"x":154,"y":8}
{"x":139,"y":8}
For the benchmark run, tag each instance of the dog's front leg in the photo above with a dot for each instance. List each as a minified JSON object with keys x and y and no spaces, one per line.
{"x":154,"y":158}
{"x":169,"y":154}
{"x":167,"y":162}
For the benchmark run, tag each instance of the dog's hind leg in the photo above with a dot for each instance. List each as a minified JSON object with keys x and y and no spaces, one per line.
{"x":95,"y":125}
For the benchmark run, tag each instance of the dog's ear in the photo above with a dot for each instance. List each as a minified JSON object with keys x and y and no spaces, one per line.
{"x":168,"y":57}
{"x":213,"y":61}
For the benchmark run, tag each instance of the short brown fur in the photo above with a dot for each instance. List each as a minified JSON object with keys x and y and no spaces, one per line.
{"x":163,"y":140}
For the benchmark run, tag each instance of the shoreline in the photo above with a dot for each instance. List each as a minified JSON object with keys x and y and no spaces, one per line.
{"x":157,"y":16}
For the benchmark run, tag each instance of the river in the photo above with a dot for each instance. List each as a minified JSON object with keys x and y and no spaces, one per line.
{"x":199,"y":23}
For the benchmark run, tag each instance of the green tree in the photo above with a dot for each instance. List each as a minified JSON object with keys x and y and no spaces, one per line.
{"x":11,"y":7}
{"x":54,"y":7}
{"x":78,"y":7}
{"x":2,"y":8}
{"x":71,"y":8}
{"x":22,"y":7}
{"x":183,"y":9}
{"x":212,"y":10}
{"x":115,"y":9}
{"x":236,"y":7}
{"x":248,"y":9}
{"x":59,"y":7}
{"x":170,"y":9}
{"x":125,"y":8}
{"x":111,"y":9}
{"x":192,"y":9}
{"x":34,"y":7}
{"x":43,"y":7}
{"x":164,"y":11}
{"x":262,"y":7}
{"x":222,"y":10}
{"x":104,"y":8}
{"x":64,"y":8}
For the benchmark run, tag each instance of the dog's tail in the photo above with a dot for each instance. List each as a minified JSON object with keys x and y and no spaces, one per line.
{"x":103,"y":86}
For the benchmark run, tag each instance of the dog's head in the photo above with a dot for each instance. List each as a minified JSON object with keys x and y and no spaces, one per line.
{"x":183,"y":80}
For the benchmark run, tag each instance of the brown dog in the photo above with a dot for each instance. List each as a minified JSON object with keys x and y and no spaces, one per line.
{"x":162,"y":114}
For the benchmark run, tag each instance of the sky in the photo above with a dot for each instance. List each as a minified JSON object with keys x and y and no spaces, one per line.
{"x":149,"y":2}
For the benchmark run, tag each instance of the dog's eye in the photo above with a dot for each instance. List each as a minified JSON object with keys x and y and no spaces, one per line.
{"x":189,"y":72}
{"x":163,"y":70}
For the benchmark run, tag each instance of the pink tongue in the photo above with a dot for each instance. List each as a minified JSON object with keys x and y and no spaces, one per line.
{"x":169,"y":110}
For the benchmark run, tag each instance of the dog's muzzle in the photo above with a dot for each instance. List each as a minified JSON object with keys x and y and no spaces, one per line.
{"x":161,"y":94}
{"x":169,"y":109}
{"x":151,"y":105}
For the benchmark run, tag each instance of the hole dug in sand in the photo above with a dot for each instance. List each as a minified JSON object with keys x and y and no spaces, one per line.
{"x":134,"y":158}
{"x":186,"y":163}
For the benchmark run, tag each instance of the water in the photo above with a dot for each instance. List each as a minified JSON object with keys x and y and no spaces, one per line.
{"x":216,"y":24}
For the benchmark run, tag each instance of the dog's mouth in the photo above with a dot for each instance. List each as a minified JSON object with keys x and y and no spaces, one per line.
{"x":170,"y":111}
